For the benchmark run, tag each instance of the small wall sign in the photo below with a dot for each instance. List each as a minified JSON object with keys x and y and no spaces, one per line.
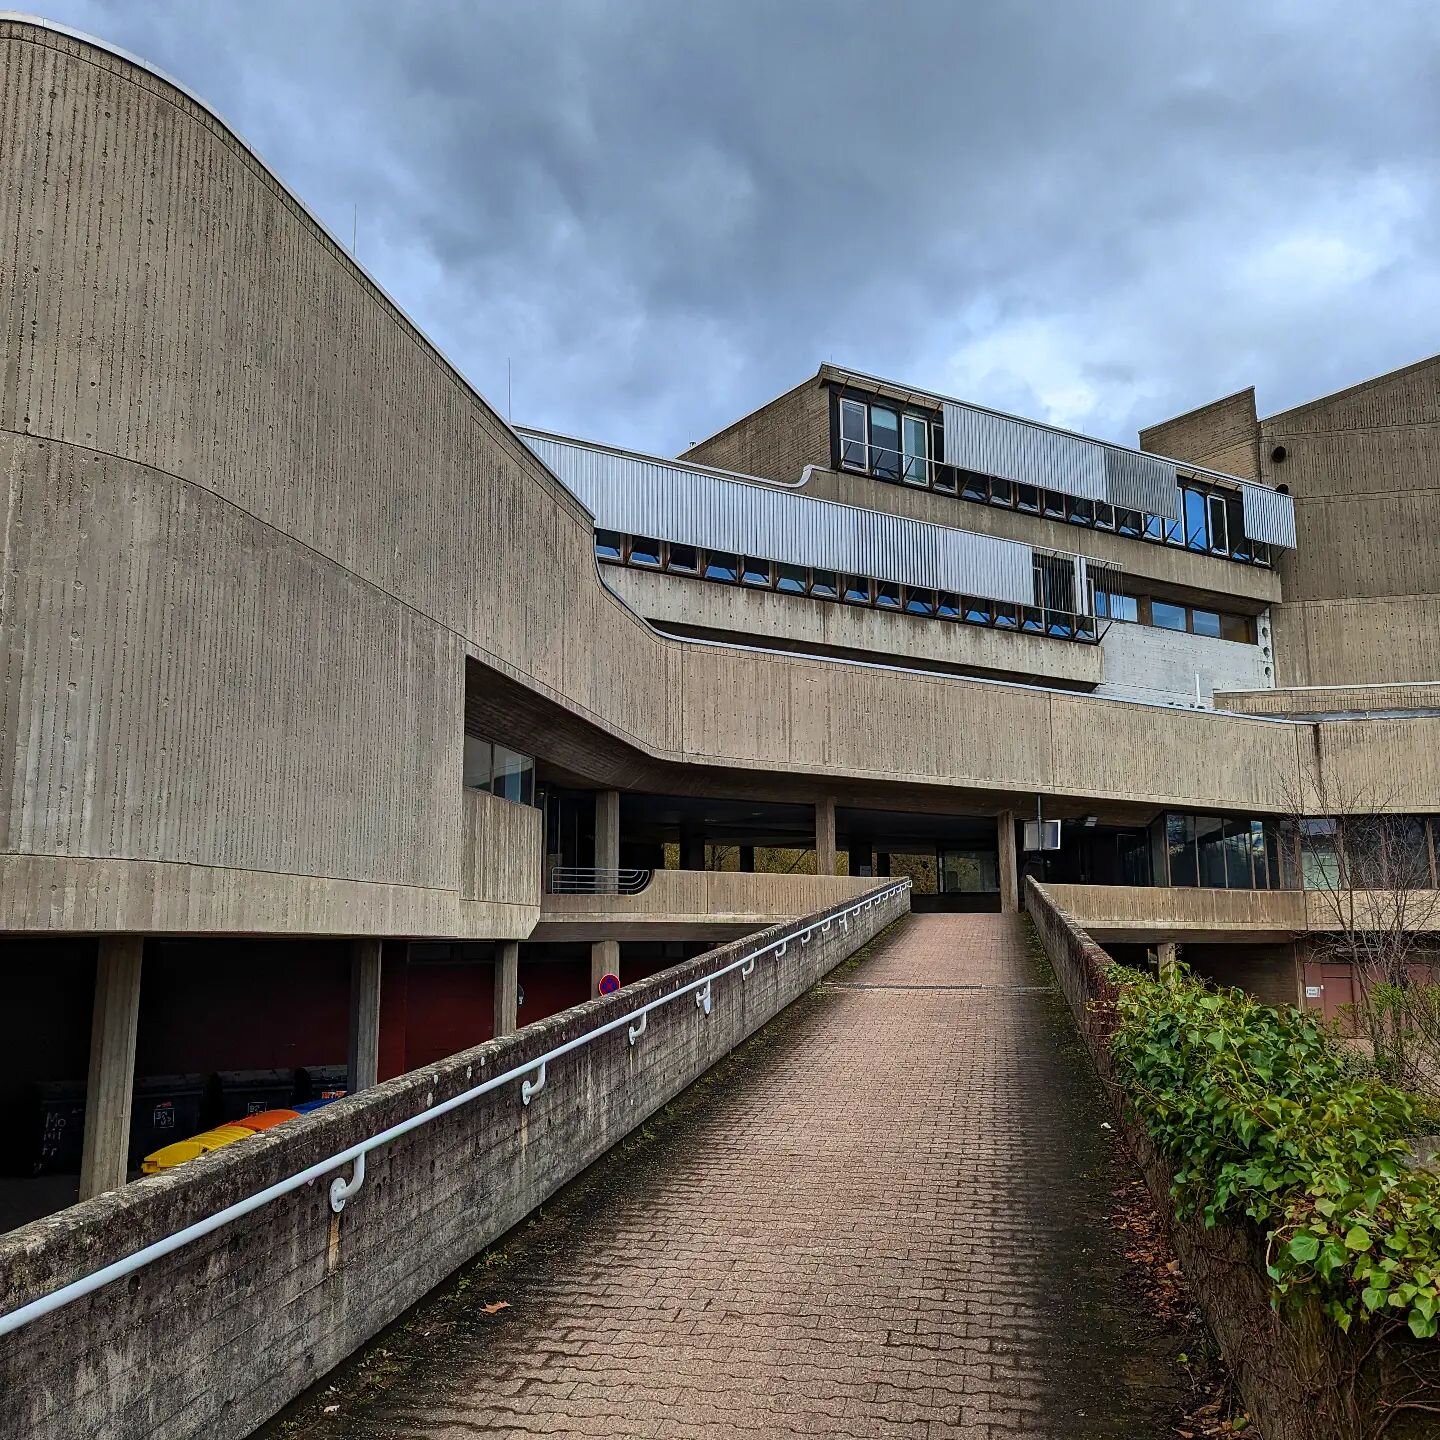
{"x":1312,"y":992}
{"x":609,"y":983}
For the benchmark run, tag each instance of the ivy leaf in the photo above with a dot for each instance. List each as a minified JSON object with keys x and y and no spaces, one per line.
{"x":1358,"y":1238}
{"x":1304,"y":1247}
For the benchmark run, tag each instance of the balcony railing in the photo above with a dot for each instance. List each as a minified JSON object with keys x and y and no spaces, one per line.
{"x":592,"y":880}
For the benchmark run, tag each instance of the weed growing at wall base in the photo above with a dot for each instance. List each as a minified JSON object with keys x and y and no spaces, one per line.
{"x":1264,"y":1114}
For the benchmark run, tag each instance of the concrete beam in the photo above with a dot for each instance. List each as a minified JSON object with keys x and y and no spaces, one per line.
{"x":507,"y":988}
{"x":1009,"y":873}
{"x":825,"y":836}
{"x":111,"y":1082}
{"x":364,"y":1059}
{"x":604,"y":960}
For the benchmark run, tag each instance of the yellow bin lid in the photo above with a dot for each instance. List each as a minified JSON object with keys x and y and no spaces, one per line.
{"x":182,"y":1150}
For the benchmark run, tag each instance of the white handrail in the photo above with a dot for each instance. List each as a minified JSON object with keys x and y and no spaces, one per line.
{"x":342,"y":1190}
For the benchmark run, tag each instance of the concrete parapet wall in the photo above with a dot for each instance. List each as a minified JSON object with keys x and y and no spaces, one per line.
{"x":218,"y":1336}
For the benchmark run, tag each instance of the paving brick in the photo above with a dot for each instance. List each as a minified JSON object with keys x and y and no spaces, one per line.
{"x":889,"y":1222}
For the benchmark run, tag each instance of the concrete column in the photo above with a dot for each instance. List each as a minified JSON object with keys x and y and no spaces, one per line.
{"x":825,"y":836}
{"x":507,"y":987}
{"x":364,"y":1060}
{"x":1009,"y":874}
{"x":747,"y":859}
{"x":692,"y":851}
{"x":108,"y":1091}
{"x":607,"y":829}
{"x":1166,"y":953}
{"x":604,"y":959}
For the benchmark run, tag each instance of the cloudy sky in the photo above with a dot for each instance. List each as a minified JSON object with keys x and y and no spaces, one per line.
{"x":664,"y":212}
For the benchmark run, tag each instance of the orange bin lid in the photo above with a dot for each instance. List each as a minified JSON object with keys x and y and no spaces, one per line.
{"x":265,"y":1119}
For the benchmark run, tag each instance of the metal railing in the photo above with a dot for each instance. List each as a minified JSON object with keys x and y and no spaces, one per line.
{"x":593,"y":880}
{"x":531,"y":1073}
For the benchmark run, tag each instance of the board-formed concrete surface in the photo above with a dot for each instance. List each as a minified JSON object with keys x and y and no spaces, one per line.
{"x":889,"y":1219}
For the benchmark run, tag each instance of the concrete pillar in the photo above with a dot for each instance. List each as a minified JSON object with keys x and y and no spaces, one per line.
{"x":692,"y":851}
{"x":604,"y":959}
{"x":1166,"y":953}
{"x":607,"y":830}
{"x":106,"y":1144}
{"x":507,"y":987}
{"x":825,"y":836}
{"x":1009,"y":874}
{"x":364,"y":1059}
{"x":747,"y":859}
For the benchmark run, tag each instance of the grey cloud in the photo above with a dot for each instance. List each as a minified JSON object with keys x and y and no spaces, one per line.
{"x":662,"y":214}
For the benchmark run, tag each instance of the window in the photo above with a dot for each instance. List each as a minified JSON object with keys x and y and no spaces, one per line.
{"x":1166,"y":615}
{"x":1197,"y":530}
{"x":792,"y":579}
{"x":755,"y":572}
{"x":720,"y":566}
{"x":1054,"y":582}
{"x":1027,"y":498}
{"x":1319,"y":862}
{"x":1219,"y":524}
{"x":1001,"y":492}
{"x":609,"y":545}
{"x":682,"y":559}
{"x":645,"y":551}
{"x":824,"y":584}
{"x":857,"y":589}
{"x":479,"y":761}
{"x":1104,"y":516}
{"x":942,"y":476}
{"x":884,"y":442}
{"x":505,"y":773}
{"x":514,"y":776}
{"x":854,"y":435}
{"x":949,"y":605}
{"x":1238,"y":628}
{"x":887,"y":595}
{"x":919,"y":601}
{"x":976,"y":487}
{"x":1180,"y":847}
{"x":977,"y":611}
{"x":1205,"y":622}
{"x":1007,"y":617}
{"x":1054,"y":504}
{"x":1110,"y":606}
{"x":916,"y":431}
{"x":1082,"y":512}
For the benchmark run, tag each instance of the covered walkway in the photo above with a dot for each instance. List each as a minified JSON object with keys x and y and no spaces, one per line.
{"x":889,"y":1219}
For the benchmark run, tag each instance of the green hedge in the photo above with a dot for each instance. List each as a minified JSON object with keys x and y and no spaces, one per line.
{"x":1263,"y":1113}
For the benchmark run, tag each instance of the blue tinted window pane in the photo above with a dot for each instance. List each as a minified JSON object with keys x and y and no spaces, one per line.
{"x":720,"y":566}
{"x":644,"y":551}
{"x":1206,"y":622}
{"x":884,"y":442}
{"x":1167,"y":616}
{"x":1197,"y":529}
{"x":609,"y":544}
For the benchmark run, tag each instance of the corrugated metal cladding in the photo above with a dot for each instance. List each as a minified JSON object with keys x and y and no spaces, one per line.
{"x":1268,"y":515}
{"x":671,"y":502}
{"x":1034,"y":455}
{"x":1136,"y":481}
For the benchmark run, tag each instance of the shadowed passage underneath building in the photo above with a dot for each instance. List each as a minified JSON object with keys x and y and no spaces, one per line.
{"x":888,"y":1218}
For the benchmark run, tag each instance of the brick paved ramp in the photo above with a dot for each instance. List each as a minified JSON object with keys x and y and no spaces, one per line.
{"x":887,"y":1221}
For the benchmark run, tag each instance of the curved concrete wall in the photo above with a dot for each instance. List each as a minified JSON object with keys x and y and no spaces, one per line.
{"x":255,"y":524}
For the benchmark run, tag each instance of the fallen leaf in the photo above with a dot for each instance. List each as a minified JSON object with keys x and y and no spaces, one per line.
{"x":332,"y":1410}
{"x":496,"y":1307}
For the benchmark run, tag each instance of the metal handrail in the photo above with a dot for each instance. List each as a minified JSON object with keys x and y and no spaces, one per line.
{"x":531,"y":1072}
{"x":597,"y":880}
